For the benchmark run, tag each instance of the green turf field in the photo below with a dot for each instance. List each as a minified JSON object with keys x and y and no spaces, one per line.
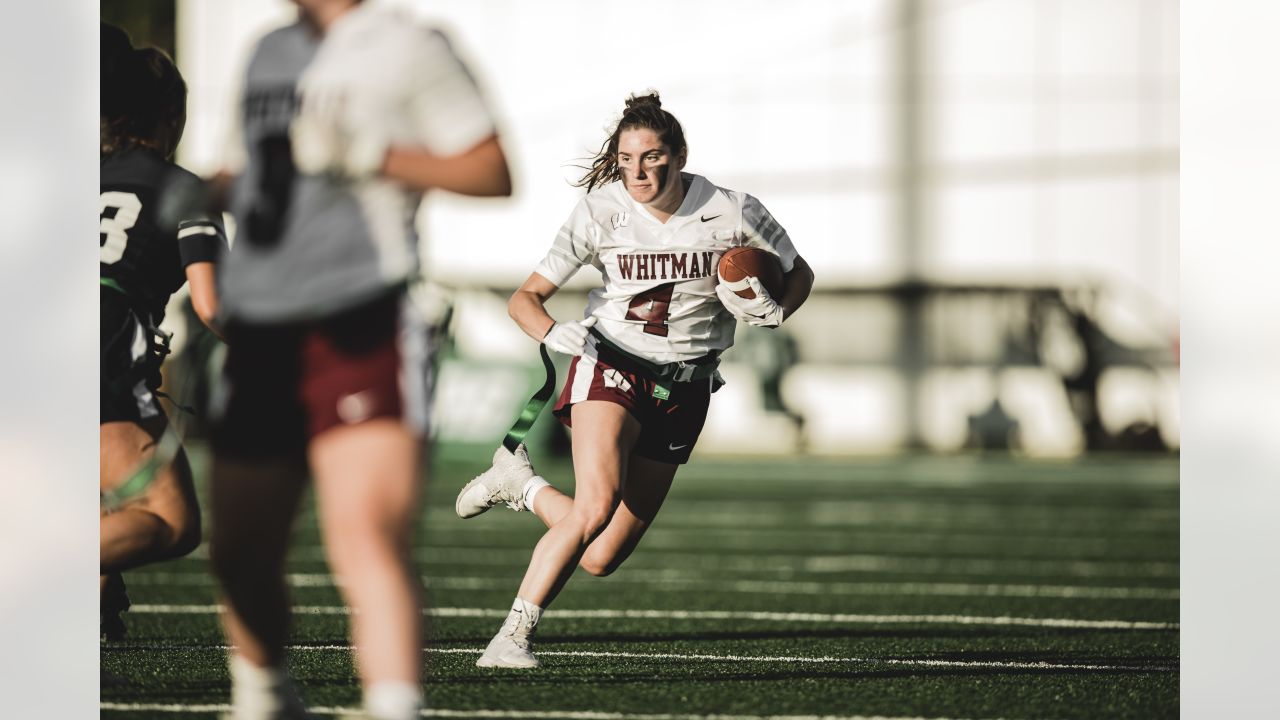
{"x":922,"y":588}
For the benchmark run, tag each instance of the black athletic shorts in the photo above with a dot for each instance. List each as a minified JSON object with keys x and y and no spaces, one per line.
{"x":130,"y":369}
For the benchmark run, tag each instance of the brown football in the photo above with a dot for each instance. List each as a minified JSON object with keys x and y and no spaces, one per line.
{"x":741,"y":262}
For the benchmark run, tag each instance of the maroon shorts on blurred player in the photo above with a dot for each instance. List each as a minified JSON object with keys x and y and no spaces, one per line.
{"x":669,"y":426}
{"x":284,"y":384}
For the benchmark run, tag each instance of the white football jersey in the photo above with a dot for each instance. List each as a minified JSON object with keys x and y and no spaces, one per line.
{"x":309,"y":245}
{"x":658,"y":300}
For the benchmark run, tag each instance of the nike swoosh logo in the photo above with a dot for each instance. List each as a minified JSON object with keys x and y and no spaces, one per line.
{"x":677,"y":447}
{"x":704,"y":218}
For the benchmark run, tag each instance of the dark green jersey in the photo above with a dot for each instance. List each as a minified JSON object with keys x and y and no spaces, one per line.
{"x":152,"y":225}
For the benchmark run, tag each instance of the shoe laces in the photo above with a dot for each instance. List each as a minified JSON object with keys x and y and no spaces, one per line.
{"x":520,"y":641}
{"x":519,"y":629}
{"x":516,"y":503}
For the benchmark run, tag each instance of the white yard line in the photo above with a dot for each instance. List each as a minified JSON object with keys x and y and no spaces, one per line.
{"x":910,"y":516}
{"x":765,"y":534}
{"x":798,"y":562}
{"x":663,"y":581}
{"x":526,"y":714}
{"x":842,"y":618}
{"x":709,"y":657}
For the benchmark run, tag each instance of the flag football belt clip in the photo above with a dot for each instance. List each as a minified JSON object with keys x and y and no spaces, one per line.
{"x":680,"y":371}
{"x":148,"y":366}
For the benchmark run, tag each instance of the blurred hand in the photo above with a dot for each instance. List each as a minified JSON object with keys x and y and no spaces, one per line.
{"x":760,"y":311}
{"x":324,"y":141}
{"x":569,"y":338}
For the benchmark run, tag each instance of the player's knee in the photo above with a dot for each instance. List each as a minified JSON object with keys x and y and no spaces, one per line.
{"x":592,"y":520}
{"x":176,"y":529}
{"x":599,"y":564}
{"x":185,"y":536}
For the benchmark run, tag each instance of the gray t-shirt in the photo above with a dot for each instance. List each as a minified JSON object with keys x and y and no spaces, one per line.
{"x":310,"y":245}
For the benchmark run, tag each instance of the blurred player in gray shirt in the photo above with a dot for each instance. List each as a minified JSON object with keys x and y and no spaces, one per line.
{"x":345,"y":118}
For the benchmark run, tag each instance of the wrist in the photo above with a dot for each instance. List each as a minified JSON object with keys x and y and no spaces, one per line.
{"x":366,"y":154}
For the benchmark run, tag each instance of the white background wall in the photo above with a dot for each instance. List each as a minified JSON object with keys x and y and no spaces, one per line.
{"x":1052,"y":146}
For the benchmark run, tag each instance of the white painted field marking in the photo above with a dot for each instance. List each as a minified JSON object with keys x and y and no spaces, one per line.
{"x":798,"y":562}
{"x":820,"y":660}
{"x":764,"y":534}
{"x":948,"y":473}
{"x":529,"y":714}
{"x":905,"y":515}
{"x":717,"y":615}
{"x":835,"y":540}
{"x":665,"y":581}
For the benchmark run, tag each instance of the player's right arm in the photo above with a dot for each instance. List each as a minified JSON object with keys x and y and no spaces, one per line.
{"x":528,"y":306}
{"x":201,"y":240}
{"x":202,"y":281}
{"x":574,"y":246}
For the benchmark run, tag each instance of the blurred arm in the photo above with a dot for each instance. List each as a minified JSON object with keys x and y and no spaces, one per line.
{"x":481,"y":171}
{"x":220,"y":191}
{"x":798,"y":283}
{"x":526,"y":306}
{"x":204,"y":294}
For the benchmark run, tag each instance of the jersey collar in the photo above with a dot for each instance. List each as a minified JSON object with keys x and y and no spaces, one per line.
{"x":693,"y":186}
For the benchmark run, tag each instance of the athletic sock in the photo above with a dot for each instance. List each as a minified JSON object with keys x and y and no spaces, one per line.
{"x":531,"y":488}
{"x":256,"y":692}
{"x":392,"y":700}
{"x":525,"y":616}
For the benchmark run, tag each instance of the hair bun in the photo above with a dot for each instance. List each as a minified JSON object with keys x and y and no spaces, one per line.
{"x":649,"y":98}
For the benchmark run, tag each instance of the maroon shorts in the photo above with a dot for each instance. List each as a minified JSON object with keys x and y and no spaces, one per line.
{"x":284,"y":384}
{"x":669,"y":426}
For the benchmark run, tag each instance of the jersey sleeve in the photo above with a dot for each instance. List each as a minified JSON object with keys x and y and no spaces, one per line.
{"x":575,"y":245}
{"x":184,"y":209}
{"x":761,"y":230}
{"x":201,"y":240}
{"x":449,"y":113}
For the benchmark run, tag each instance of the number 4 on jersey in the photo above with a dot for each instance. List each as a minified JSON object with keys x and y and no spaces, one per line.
{"x":113,"y":229}
{"x":652,"y":307}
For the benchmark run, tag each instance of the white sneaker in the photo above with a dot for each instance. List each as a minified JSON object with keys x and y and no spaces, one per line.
{"x":288,"y":707}
{"x":263,"y":694}
{"x":512,"y":647}
{"x":508,"y":651}
{"x":503,"y":482}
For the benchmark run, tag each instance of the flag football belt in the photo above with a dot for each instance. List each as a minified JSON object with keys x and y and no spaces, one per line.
{"x":680,"y":371}
{"x":148,"y":367}
{"x":533,"y":408}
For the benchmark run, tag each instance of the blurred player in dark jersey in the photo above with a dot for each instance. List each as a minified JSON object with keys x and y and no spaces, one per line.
{"x":346,"y":117}
{"x":154,"y":235}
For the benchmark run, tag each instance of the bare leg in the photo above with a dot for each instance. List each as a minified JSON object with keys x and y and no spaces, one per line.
{"x":253,"y":507}
{"x":552,"y":505}
{"x":648,"y":482}
{"x":162,"y":524}
{"x":603,"y":436}
{"x":368,"y":481}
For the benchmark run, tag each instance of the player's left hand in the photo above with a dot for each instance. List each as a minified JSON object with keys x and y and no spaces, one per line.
{"x":760,"y":311}
{"x":325,"y":142}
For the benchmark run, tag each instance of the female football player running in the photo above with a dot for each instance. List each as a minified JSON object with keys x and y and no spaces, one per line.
{"x":154,"y":235}
{"x":646,"y":353}
{"x":346,"y":117}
